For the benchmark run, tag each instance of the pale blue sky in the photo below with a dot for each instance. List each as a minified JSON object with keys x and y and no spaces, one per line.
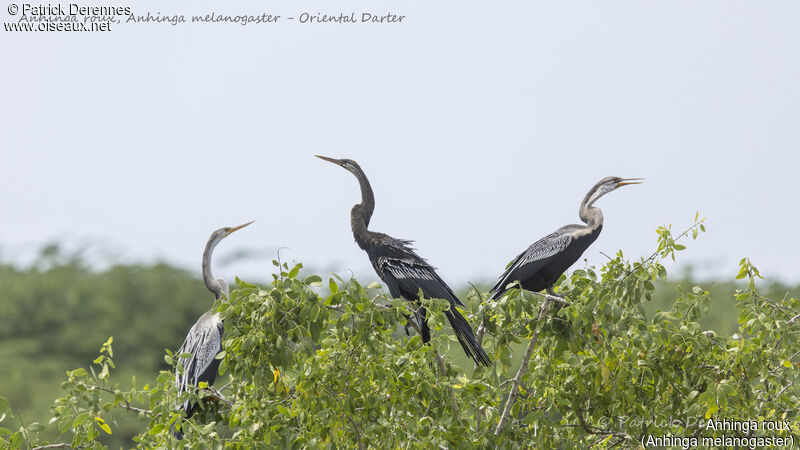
{"x":481,"y":126}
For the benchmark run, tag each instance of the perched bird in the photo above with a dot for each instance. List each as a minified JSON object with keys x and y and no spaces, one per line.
{"x":539,"y":266}
{"x":204,"y":340}
{"x":403,"y":271}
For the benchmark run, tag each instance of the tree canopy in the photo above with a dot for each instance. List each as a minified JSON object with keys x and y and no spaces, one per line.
{"x":325,"y":363}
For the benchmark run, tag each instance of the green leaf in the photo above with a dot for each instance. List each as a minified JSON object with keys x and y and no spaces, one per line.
{"x":332,"y":286}
{"x":313,"y":280}
{"x":665,"y":316}
{"x":223,"y":367}
{"x":103,"y":425}
{"x":36,"y":427}
{"x":80,"y":419}
{"x":16,"y":440}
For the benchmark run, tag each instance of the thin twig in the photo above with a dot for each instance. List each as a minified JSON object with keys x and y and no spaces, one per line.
{"x":59,"y":445}
{"x":780,"y":308}
{"x":125,"y":405}
{"x":280,"y":264}
{"x":481,"y":326}
{"x":657,"y":252}
{"x":218,"y":395}
{"x":440,"y":364}
{"x":506,"y":382}
{"x":526,"y":359}
{"x":609,"y":258}
{"x":443,"y":370}
{"x":596,"y":430}
{"x":358,"y":432}
{"x":553,"y":298}
{"x":784,"y":389}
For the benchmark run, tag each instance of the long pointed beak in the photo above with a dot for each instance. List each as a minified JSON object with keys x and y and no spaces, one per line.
{"x":627,"y":181}
{"x":240,"y":227}
{"x":338,"y":162}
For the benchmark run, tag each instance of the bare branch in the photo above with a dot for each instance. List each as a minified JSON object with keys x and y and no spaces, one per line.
{"x":552,"y":298}
{"x":526,"y":359}
{"x":481,"y":331}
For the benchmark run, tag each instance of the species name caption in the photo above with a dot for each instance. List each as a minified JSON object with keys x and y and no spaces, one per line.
{"x":59,"y":12}
{"x":306,"y":18}
{"x":736,"y":433}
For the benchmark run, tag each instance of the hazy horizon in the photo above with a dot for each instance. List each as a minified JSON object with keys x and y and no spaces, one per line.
{"x":481,"y":129}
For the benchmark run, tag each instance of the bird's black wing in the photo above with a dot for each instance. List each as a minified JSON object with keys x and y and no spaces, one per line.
{"x":532,"y":260}
{"x":204,"y":342}
{"x":406,"y":273}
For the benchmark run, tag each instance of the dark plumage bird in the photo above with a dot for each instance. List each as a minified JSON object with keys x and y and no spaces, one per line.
{"x":403,"y":271}
{"x":539,"y":266}
{"x":204,"y":340}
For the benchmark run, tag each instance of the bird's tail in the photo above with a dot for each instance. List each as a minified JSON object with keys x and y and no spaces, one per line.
{"x":190,"y":410}
{"x":466,"y":337}
{"x":422,"y":321}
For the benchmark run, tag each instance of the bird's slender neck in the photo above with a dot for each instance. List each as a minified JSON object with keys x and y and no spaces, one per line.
{"x":362,"y":212}
{"x":214,"y":285}
{"x":592,"y":216}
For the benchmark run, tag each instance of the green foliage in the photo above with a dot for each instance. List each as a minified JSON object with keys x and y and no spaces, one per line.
{"x":303,"y":367}
{"x":57,"y":312}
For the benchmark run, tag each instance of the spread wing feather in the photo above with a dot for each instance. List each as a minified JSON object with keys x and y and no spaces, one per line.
{"x":406,"y":276}
{"x":532,"y":260}
{"x":204,"y":342}
{"x":406,"y":273}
